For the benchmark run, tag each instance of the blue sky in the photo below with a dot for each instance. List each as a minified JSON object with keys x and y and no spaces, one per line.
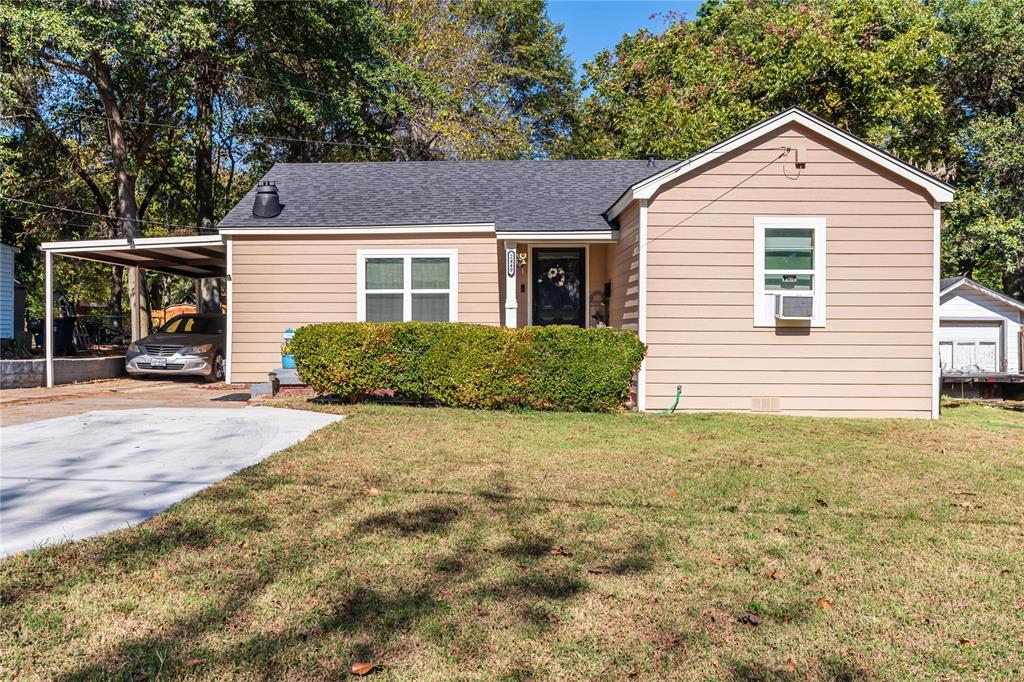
{"x":593,"y":25}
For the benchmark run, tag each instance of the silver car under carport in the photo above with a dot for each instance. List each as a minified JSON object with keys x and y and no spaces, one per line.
{"x":187,"y":345}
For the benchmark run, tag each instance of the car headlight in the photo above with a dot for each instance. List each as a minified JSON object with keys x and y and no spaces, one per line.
{"x":196,"y":350}
{"x":133,"y":347}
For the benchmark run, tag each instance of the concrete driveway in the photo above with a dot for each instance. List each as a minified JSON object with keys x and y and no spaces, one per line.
{"x":22,"y":405}
{"x":82,"y":474}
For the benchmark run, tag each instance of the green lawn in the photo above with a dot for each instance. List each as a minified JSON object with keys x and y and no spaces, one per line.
{"x":446,"y":544}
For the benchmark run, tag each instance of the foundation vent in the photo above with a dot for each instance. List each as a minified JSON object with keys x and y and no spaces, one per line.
{"x":764,"y":404}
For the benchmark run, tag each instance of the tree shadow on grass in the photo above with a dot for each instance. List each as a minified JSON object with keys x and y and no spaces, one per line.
{"x":370,"y":617}
{"x":528,"y":547}
{"x":831,"y":668}
{"x":433,"y":518}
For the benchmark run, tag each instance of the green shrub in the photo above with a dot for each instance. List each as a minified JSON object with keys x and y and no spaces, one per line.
{"x":463,"y":365}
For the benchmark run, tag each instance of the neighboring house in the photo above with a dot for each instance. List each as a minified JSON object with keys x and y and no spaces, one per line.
{"x":7,"y":292}
{"x":979,"y":329}
{"x":791,"y":268}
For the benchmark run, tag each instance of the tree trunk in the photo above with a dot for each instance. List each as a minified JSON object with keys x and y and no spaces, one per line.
{"x":207,"y":291}
{"x":116,"y":283}
{"x":116,"y":299}
{"x":124,"y":176}
{"x":1013,"y":284}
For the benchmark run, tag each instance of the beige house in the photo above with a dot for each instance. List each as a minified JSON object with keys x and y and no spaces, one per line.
{"x":791,"y":268}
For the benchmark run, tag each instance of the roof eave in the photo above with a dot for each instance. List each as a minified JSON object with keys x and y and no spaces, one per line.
{"x":977,"y":286}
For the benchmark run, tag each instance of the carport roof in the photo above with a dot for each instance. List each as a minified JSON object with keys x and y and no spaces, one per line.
{"x":197,"y":257}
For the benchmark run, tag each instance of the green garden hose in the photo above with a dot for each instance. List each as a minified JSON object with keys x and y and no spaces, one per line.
{"x":679,"y":393}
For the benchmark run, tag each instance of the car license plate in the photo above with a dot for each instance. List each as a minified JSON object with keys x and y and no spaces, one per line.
{"x":158,"y":362}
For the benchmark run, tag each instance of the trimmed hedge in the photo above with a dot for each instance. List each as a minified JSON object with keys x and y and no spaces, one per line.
{"x":475,"y":366}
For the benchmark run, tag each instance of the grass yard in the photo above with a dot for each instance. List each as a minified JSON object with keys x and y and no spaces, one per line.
{"x":445,"y":544}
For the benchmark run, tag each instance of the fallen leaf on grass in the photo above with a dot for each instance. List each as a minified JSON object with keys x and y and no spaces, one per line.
{"x":363,"y":668}
{"x":600,"y":569}
{"x":558,"y":550}
{"x":824,"y":603}
{"x":671,"y":493}
{"x":372,"y":492}
{"x":748,"y":618}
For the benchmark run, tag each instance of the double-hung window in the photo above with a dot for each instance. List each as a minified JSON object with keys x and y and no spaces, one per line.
{"x":403,"y":286}
{"x":789,"y":259}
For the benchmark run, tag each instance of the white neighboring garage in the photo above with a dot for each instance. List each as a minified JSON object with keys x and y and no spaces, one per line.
{"x":979,"y":329}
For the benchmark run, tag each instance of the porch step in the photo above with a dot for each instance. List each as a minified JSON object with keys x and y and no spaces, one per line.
{"x":285,"y":378}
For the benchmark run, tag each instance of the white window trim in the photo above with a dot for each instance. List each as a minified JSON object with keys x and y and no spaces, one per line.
{"x":407,"y":255}
{"x":764,"y":314}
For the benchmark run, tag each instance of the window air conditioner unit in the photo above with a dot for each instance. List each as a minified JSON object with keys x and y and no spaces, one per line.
{"x":794,"y":307}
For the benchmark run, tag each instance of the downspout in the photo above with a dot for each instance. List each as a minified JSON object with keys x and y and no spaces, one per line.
{"x":641,"y":383}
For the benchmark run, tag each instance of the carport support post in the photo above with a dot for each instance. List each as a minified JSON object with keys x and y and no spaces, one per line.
{"x":136,"y":294}
{"x":48,"y":319}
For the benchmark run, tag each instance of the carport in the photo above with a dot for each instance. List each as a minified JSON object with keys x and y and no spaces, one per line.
{"x":196,"y":257}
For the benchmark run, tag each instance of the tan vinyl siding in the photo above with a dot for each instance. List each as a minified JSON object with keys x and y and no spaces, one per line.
{"x":284,"y":281}
{"x":873,"y":357}
{"x":624,"y":272}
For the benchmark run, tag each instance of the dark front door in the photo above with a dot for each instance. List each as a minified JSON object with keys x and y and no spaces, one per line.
{"x":558,"y":281}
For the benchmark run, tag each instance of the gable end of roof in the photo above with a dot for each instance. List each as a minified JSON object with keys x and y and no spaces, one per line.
{"x":953,"y":283}
{"x":940,"y":192}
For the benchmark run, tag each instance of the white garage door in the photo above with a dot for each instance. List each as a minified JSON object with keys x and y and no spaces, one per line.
{"x":969,"y":346}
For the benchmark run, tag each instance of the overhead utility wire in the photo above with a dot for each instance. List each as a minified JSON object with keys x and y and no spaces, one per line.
{"x":785,"y":151}
{"x":99,"y":215}
{"x":58,"y":222}
{"x":338,"y":143}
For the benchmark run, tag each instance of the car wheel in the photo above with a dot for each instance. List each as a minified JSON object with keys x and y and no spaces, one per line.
{"x":218,"y":370}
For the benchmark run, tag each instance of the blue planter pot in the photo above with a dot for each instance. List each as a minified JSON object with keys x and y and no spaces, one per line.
{"x":288,"y":362}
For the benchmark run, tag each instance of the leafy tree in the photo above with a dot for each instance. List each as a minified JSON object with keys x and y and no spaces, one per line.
{"x":164,"y":110}
{"x":497,"y":82}
{"x":69,"y":65}
{"x":984,"y":87}
{"x":867,"y":65}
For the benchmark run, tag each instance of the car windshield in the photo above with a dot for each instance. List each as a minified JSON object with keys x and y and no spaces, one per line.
{"x":190,"y":324}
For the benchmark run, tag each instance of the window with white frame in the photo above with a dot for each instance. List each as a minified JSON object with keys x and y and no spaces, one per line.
{"x":789,"y":260}
{"x":407,"y":286}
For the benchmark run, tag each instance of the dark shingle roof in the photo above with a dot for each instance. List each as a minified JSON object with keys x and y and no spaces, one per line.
{"x":514,"y":195}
